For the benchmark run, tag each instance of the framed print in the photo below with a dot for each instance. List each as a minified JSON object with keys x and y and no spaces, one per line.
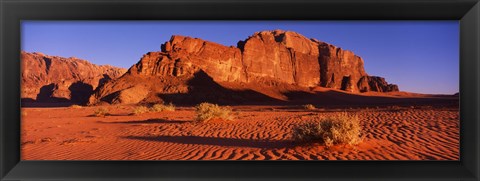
{"x":247,"y":90}
{"x":274,"y":95}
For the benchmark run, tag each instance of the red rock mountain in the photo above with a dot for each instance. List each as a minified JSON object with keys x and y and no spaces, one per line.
{"x":56,"y":79}
{"x":267,"y":63}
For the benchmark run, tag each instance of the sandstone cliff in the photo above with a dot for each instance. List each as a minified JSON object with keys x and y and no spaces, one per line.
{"x":56,"y":79}
{"x":269,"y":58}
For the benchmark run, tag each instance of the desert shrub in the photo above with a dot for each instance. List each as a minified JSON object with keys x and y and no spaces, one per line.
{"x":309,"y":106}
{"x":207,"y":111}
{"x":101,"y":112}
{"x":140,"y":110}
{"x":338,"y":129}
{"x":75,"y":106}
{"x":163,"y":107}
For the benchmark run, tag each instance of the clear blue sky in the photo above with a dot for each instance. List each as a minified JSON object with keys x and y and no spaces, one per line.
{"x":419,"y":56}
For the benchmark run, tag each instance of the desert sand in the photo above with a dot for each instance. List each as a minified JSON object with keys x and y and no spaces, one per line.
{"x":255,"y":133}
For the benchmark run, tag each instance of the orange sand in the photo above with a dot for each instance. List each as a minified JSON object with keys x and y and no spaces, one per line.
{"x":256,"y":133}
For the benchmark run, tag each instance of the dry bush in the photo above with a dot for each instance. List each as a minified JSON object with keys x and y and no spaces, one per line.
{"x":101,"y":112}
{"x":309,"y":107}
{"x":140,"y":110}
{"x":75,"y":106}
{"x":207,"y":111}
{"x":163,"y":107}
{"x":338,"y":129}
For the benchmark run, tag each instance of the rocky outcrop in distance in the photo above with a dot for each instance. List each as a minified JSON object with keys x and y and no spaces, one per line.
{"x":267,"y":59}
{"x":51,"y":79}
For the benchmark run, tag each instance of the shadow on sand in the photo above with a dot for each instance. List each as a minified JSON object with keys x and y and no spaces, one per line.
{"x":339,"y":99}
{"x":202,"y":88}
{"x":269,"y":144}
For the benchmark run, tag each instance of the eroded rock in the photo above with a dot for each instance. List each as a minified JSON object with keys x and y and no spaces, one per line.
{"x":57,"y":79}
{"x":267,"y":58}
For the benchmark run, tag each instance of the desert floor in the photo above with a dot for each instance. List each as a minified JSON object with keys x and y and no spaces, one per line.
{"x":256,"y":133}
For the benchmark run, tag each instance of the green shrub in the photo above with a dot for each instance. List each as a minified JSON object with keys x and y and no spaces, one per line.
{"x":338,"y":129}
{"x":140,"y":110}
{"x":309,"y":107}
{"x":101,"y":112}
{"x":163,"y":107}
{"x":208,"y":111}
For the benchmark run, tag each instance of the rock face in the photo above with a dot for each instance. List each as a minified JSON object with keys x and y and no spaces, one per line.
{"x":280,"y":56}
{"x":267,"y":58}
{"x":56,"y":79}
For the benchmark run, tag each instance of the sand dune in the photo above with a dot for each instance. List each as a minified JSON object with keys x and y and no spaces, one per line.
{"x":256,"y":133}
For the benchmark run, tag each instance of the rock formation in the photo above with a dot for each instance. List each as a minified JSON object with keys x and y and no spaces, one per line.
{"x":56,"y":79}
{"x":267,"y":58}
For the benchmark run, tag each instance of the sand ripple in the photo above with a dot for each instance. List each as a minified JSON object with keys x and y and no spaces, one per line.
{"x":70,"y":134}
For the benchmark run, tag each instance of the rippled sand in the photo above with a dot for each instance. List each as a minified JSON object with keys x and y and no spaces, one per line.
{"x":256,"y":133}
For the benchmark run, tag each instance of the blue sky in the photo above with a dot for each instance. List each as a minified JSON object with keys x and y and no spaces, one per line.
{"x":419,"y":56}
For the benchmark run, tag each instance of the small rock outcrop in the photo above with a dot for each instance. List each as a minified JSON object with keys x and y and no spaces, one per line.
{"x":47,"y":78}
{"x":375,"y":84}
{"x":267,"y":58}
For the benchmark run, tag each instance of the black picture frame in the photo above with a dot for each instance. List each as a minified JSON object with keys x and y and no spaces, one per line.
{"x":12,"y":12}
